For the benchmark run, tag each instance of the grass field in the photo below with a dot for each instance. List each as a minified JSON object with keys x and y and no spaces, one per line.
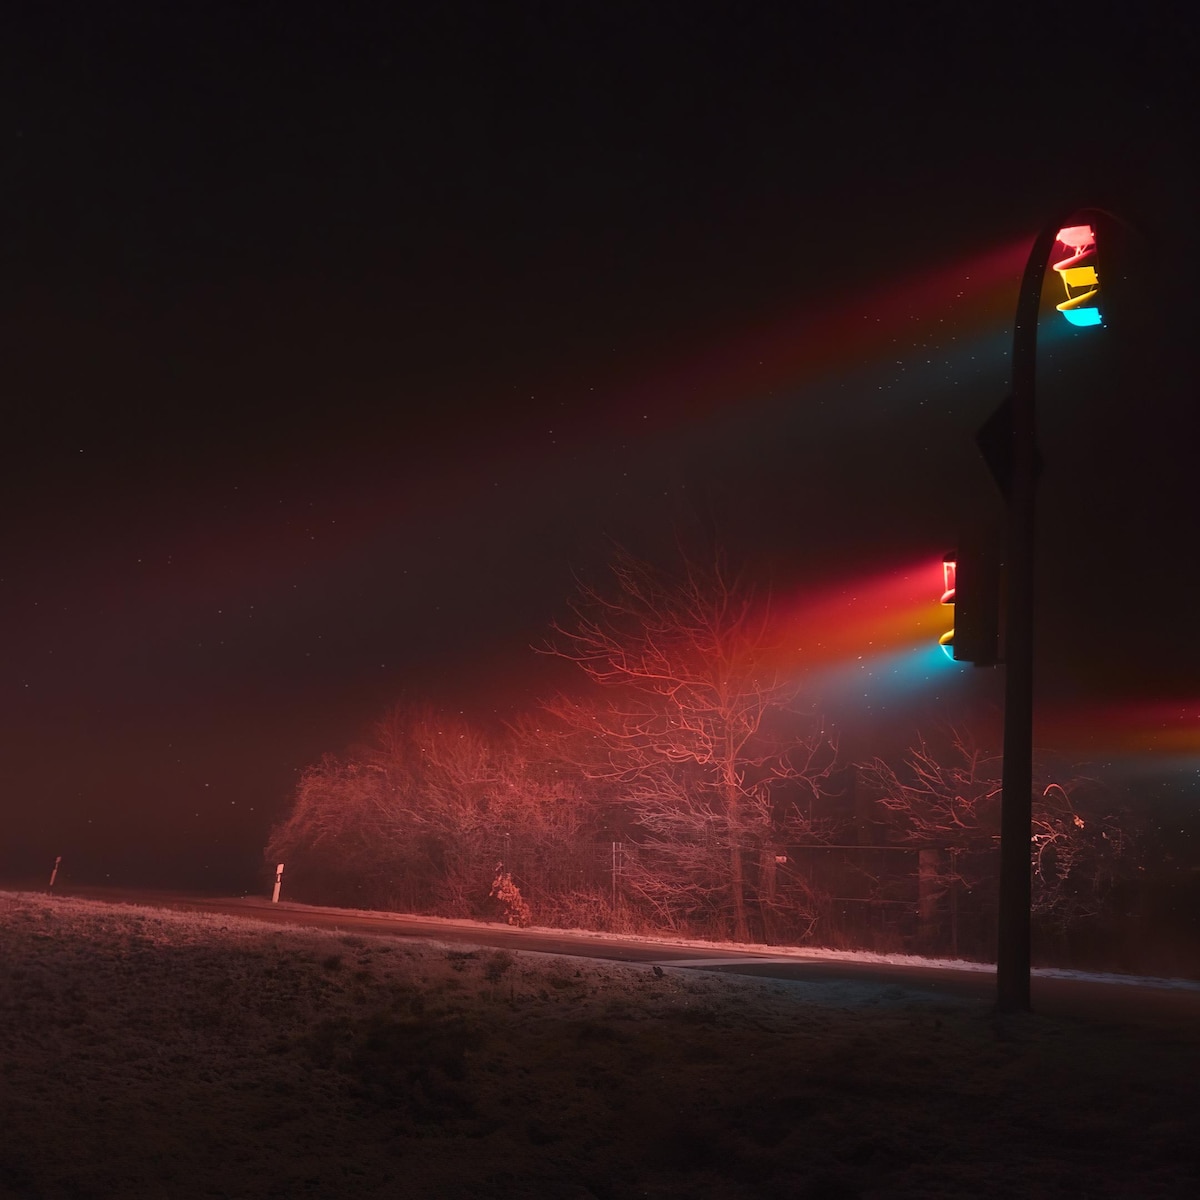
{"x":152,"y":1053}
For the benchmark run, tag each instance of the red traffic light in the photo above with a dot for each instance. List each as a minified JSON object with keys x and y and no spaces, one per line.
{"x":971,"y":583}
{"x":949,"y":578}
{"x":1080,"y":275}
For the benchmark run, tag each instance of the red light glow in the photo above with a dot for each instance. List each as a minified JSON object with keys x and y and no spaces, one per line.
{"x":872,"y":615}
{"x":1142,"y":728}
{"x":799,"y":347}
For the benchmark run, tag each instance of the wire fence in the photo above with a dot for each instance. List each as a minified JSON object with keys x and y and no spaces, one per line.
{"x":914,"y":899}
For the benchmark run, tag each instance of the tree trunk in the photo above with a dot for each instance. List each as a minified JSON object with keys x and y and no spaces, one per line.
{"x":741,"y":931}
{"x":737,"y":882}
{"x":766,"y":893}
{"x":931,"y":887}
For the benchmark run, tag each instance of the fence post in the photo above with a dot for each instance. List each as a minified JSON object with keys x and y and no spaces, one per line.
{"x":954,"y":902}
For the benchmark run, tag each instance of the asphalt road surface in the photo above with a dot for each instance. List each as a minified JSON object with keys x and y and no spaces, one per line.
{"x":1110,"y":998}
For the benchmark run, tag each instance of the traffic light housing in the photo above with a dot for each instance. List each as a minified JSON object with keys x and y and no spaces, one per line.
{"x":949,"y":579}
{"x":1080,"y":275}
{"x":971,"y":584}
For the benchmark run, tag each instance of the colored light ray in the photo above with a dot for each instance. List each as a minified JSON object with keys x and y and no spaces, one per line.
{"x":798,"y":348}
{"x":1164,"y":730}
{"x":883,"y":678}
{"x":867,"y":648}
{"x":792,"y":349}
{"x":898,"y":610}
{"x":789,"y":349}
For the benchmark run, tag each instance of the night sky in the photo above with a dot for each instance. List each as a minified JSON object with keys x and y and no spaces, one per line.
{"x":338,"y":338}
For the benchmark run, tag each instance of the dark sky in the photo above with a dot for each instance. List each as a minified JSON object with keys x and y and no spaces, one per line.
{"x":336,"y":337}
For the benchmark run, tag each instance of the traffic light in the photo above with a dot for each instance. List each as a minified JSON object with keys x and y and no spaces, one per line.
{"x":1080,"y":274}
{"x":949,"y":578}
{"x":971,"y":584}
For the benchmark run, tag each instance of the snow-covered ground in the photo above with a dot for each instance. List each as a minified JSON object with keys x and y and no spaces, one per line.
{"x":756,"y":951}
{"x":153,"y":1053}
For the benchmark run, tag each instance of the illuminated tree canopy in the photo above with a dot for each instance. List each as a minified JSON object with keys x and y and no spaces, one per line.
{"x":676,"y":789}
{"x":688,"y":728}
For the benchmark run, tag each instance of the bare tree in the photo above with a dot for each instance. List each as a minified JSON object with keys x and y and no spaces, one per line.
{"x":948,"y":797}
{"x":945,"y":796}
{"x":429,"y":807}
{"x":1083,"y":844}
{"x":682,"y":731}
{"x":342,"y":829}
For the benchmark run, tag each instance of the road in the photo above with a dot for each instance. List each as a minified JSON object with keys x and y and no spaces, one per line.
{"x":1114,"y":999}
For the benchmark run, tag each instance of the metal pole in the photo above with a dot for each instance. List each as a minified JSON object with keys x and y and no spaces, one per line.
{"x":1016,"y":809}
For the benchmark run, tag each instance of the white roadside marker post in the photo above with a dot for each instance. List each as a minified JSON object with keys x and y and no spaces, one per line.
{"x":54,"y":871}
{"x":278,"y":881}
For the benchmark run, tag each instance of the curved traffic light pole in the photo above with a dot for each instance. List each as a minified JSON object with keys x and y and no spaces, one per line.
{"x":1016,"y":808}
